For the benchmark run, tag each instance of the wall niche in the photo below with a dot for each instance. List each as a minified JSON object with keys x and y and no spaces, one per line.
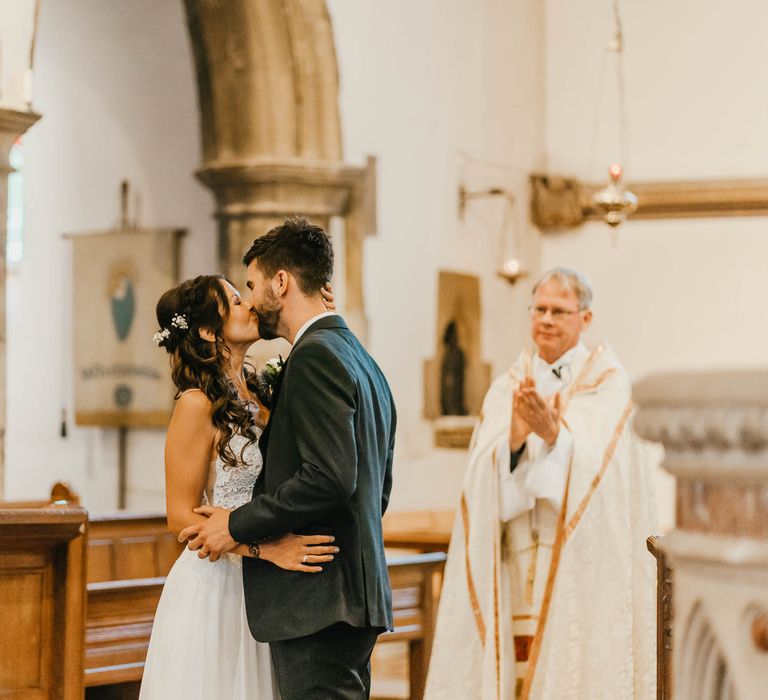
{"x":456,"y":379}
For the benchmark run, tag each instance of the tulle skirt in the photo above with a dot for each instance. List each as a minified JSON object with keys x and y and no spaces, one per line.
{"x":200,"y":646}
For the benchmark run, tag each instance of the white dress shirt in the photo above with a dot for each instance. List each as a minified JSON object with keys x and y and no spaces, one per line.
{"x":303,"y":329}
{"x":542,"y":470}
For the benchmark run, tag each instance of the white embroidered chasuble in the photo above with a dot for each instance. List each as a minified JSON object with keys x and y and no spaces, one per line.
{"x":549,"y":590}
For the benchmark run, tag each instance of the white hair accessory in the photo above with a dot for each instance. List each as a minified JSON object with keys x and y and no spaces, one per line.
{"x":178,"y":321}
{"x":160,"y":336}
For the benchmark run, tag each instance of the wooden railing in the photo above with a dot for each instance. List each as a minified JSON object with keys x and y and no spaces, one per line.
{"x":663,"y":620}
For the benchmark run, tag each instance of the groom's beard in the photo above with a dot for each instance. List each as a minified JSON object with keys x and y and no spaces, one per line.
{"x":269,"y":315}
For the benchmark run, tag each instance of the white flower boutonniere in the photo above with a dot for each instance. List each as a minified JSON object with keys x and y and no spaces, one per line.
{"x":266,"y":380}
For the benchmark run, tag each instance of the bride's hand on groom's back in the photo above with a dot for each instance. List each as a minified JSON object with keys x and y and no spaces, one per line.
{"x":328,"y":299}
{"x":299,"y":552}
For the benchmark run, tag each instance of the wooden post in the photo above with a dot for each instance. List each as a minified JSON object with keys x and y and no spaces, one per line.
{"x":122,"y":431}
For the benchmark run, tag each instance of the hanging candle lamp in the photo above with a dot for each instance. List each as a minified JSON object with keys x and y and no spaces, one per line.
{"x":614,"y":201}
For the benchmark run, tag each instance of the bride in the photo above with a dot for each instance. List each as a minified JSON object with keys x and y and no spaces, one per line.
{"x":201,"y":646}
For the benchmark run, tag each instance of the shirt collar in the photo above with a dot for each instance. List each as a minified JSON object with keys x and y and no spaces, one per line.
{"x":304,"y":328}
{"x":563,"y":361}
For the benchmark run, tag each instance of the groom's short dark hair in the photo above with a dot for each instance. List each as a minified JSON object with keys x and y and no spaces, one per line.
{"x":298,"y":246}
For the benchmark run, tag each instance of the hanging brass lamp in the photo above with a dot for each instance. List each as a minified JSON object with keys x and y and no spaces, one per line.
{"x":614,"y":201}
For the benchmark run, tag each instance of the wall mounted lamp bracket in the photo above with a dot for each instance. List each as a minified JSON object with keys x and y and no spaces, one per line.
{"x":466,"y":195}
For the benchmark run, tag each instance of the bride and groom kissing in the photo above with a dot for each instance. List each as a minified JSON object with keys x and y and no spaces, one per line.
{"x":282,"y":516}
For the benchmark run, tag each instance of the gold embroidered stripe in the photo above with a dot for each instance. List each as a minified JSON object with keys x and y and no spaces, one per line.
{"x":585,"y":388}
{"x":607,"y":457}
{"x":470,"y":581}
{"x":588,"y":365}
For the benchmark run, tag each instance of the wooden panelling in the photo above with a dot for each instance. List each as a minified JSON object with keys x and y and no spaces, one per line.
{"x":125,"y":546}
{"x":42,"y":601}
{"x":25,"y":598}
{"x":135,"y":557}
{"x":100,"y":560}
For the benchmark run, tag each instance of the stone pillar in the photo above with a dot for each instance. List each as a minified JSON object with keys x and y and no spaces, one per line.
{"x":12,"y":125}
{"x":714,"y":427}
{"x":251,"y":199}
{"x":271,"y":132}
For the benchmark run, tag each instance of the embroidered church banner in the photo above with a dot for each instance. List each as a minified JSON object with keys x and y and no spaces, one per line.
{"x":121,"y":377}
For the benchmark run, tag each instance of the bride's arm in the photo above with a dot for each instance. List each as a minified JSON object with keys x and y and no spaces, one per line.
{"x":188,"y":448}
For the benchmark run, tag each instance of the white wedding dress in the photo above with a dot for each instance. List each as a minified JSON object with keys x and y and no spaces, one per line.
{"x":201,"y":647}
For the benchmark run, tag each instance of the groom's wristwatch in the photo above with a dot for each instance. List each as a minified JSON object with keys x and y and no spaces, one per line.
{"x":253,"y":550}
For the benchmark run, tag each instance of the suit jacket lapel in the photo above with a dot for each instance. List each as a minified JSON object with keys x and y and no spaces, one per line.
{"x":264,"y":439}
{"x":334,"y":321}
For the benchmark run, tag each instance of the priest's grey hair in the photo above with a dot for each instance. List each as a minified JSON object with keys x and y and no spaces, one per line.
{"x":572,"y":280}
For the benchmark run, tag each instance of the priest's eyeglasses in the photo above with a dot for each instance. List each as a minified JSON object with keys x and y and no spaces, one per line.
{"x":558,"y":314}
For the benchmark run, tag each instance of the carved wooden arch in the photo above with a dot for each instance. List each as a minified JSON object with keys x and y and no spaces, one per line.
{"x":271,"y":130}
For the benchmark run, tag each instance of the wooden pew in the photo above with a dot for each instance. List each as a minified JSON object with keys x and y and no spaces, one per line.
{"x":416,"y":581}
{"x":42,"y":601}
{"x":129,"y":556}
{"x":419,"y":530}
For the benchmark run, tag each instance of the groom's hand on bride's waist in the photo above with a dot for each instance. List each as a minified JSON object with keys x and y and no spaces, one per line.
{"x":210,"y":538}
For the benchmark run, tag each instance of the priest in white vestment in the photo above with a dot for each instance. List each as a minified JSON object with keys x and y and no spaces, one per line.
{"x":549,"y":590}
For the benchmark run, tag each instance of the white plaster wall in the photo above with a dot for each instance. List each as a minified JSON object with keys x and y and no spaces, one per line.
{"x":669,"y":294}
{"x":114,"y":82}
{"x":421,"y":83}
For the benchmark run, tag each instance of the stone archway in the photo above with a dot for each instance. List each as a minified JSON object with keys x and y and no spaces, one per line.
{"x":271,"y":131}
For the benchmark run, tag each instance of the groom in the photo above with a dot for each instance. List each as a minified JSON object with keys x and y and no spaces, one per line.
{"x":327,"y":470}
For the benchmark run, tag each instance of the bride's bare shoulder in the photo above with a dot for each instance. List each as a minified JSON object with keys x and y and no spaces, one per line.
{"x":193,"y":408}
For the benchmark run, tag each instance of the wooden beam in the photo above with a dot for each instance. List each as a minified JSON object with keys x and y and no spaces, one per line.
{"x":559,"y":203}
{"x":696,"y":199}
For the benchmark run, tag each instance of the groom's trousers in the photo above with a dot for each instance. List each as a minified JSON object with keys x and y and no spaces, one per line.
{"x":332,"y":664}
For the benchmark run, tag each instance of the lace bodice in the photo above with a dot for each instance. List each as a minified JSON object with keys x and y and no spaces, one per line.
{"x":231,"y":487}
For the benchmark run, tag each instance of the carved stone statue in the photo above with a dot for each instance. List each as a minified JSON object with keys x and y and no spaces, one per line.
{"x":452,"y":370}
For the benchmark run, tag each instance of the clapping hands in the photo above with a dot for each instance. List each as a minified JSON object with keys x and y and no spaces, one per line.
{"x":531,"y":413}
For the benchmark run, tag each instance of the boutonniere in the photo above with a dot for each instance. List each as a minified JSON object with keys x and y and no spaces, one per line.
{"x":267,"y":379}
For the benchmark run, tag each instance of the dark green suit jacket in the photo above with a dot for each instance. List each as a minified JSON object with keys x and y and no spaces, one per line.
{"x":327,"y":470}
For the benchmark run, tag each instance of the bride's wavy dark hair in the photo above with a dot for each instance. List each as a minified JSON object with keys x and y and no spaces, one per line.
{"x":197,"y":363}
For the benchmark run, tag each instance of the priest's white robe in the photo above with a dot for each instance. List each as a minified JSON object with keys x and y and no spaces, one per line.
{"x":593,"y":634}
